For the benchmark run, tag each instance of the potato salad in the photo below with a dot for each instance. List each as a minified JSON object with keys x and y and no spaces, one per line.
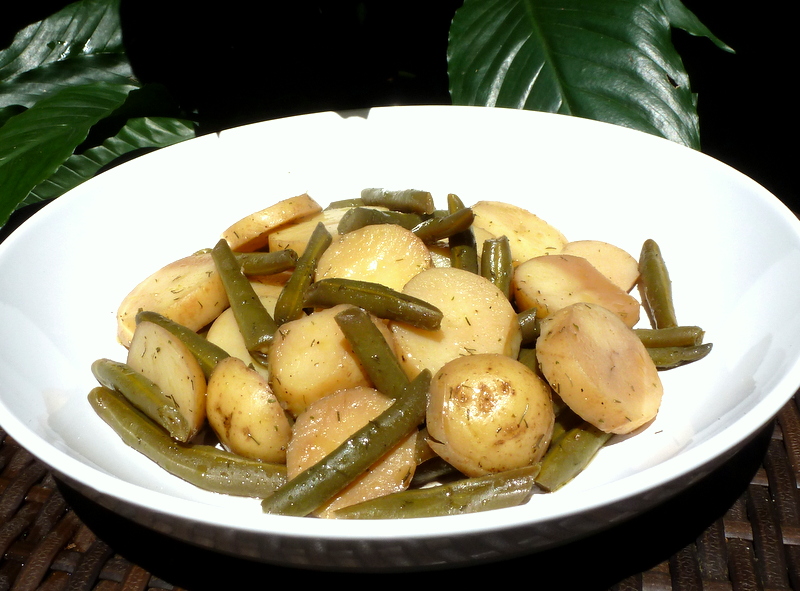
{"x":384,"y":358}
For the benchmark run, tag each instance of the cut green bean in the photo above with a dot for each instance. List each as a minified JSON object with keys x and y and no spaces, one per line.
{"x":144,"y":394}
{"x":671,"y":357}
{"x":529,"y":326}
{"x":496,"y":263}
{"x":570,"y":455}
{"x":371,"y":349}
{"x":673,"y":336}
{"x":655,"y":286}
{"x":342,"y":203}
{"x":266,"y":263}
{"x":470,"y":495}
{"x":202,"y":465}
{"x":382,"y":301}
{"x":440,"y":227}
{"x":207,"y":353}
{"x":407,"y":201}
{"x":292,"y":297}
{"x":358,"y":217}
{"x":463,"y":250}
{"x":317,"y":484}
{"x":254,"y":321}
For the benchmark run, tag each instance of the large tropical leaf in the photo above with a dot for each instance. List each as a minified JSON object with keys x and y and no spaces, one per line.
{"x":36,"y":142}
{"x":609,"y":60}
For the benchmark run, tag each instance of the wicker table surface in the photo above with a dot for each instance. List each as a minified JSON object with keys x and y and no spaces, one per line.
{"x":738,"y":529}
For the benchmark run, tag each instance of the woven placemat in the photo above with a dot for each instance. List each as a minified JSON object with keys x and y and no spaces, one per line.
{"x":46,"y":544}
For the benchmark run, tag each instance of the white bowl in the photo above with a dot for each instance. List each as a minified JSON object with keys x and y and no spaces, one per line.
{"x":732,"y":248}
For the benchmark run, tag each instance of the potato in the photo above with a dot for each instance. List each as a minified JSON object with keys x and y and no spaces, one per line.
{"x":489,"y":413}
{"x":295,"y":236}
{"x":549,"y":283}
{"x":311,"y":358}
{"x":599,"y":367}
{"x":252,"y":232}
{"x":528,"y":235}
{"x":477,"y":318}
{"x":160,"y":356}
{"x":616,"y":264}
{"x":381,"y":253}
{"x":188,"y":291}
{"x":245,"y":414}
{"x":327,"y":423}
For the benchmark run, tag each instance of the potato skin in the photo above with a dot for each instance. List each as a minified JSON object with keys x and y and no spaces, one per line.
{"x":599,"y":367}
{"x":489,"y":413}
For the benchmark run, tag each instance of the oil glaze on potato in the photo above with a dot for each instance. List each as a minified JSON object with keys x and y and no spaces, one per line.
{"x":245,"y":414}
{"x":477,"y":318}
{"x":327,"y":423}
{"x":489,"y":413}
{"x":549,"y":283}
{"x":188,"y":291}
{"x":599,"y":367}
{"x":311,"y":358}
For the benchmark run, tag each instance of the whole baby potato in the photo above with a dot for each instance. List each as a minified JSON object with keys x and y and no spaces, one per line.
{"x":489,"y":413}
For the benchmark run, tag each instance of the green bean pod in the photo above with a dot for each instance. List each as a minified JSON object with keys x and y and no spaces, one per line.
{"x":292,"y":297}
{"x":254,"y":321}
{"x":266,"y":263}
{"x":204,"y":466}
{"x":470,"y":495}
{"x":358,"y":217}
{"x":207,"y":353}
{"x":440,"y":227}
{"x":317,"y":484}
{"x":673,"y":336}
{"x":529,"y":326}
{"x":655,"y":286}
{"x":342,"y":203}
{"x":463,"y":250}
{"x":382,"y":301}
{"x":570,"y":455}
{"x":407,"y":201}
{"x":144,"y":394}
{"x":496,"y":263}
{"x":371,"y":349}
{"x":671,"y":357}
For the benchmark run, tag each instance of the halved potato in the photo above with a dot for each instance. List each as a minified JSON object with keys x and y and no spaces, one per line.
{"x":489,"y":413}
{"x":381,"y":253}
{"x":620,"y":267}
{"x":160,"y":356}
{"x":245,"y":414}
{"x":477,"y":318}
{"x":188,"y":291}
{"x":599,"y":368}
{"x":528,"y":235}
{"x":327,"y":423}
{"x":549,"y":283}
{"x":252,"y":232}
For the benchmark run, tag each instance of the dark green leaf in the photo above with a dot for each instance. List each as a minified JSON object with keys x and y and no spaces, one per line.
{"x":609,"y":60}
{"x":138,"y":134}
{"x":36,"y":142}
{"x":681,"y":17}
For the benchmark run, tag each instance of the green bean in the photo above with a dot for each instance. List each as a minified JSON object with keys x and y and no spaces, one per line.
{"x":382,"y":301}
{"x":375,"y":354}
{"x":358,"y":217}
{"x":655,"y":286}
{"x":527,"y":356}
{"x":673,"y":336}
{"x":254,"y":321}
{"x":496,"y":264}
{"x":407,"y":201}
{"x":342,"y":203}
{"x":434,"y":470}
{"x":292,"y":297}
{"x":317,"y":484}
{"x":202,"y":465}
{"x":463,"y":250}
{"x":570,"y":455}
{"x":671,"y":357}
{"x":266,"y":263}
{"x":470,"y":495}
{"x":207,"y":353}
{"x":529,"y":325}
{"x":144,"y":394}
{"x":440,"y":227}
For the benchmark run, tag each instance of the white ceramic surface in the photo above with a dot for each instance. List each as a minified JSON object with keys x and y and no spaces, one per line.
{"x":733,"y":251}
